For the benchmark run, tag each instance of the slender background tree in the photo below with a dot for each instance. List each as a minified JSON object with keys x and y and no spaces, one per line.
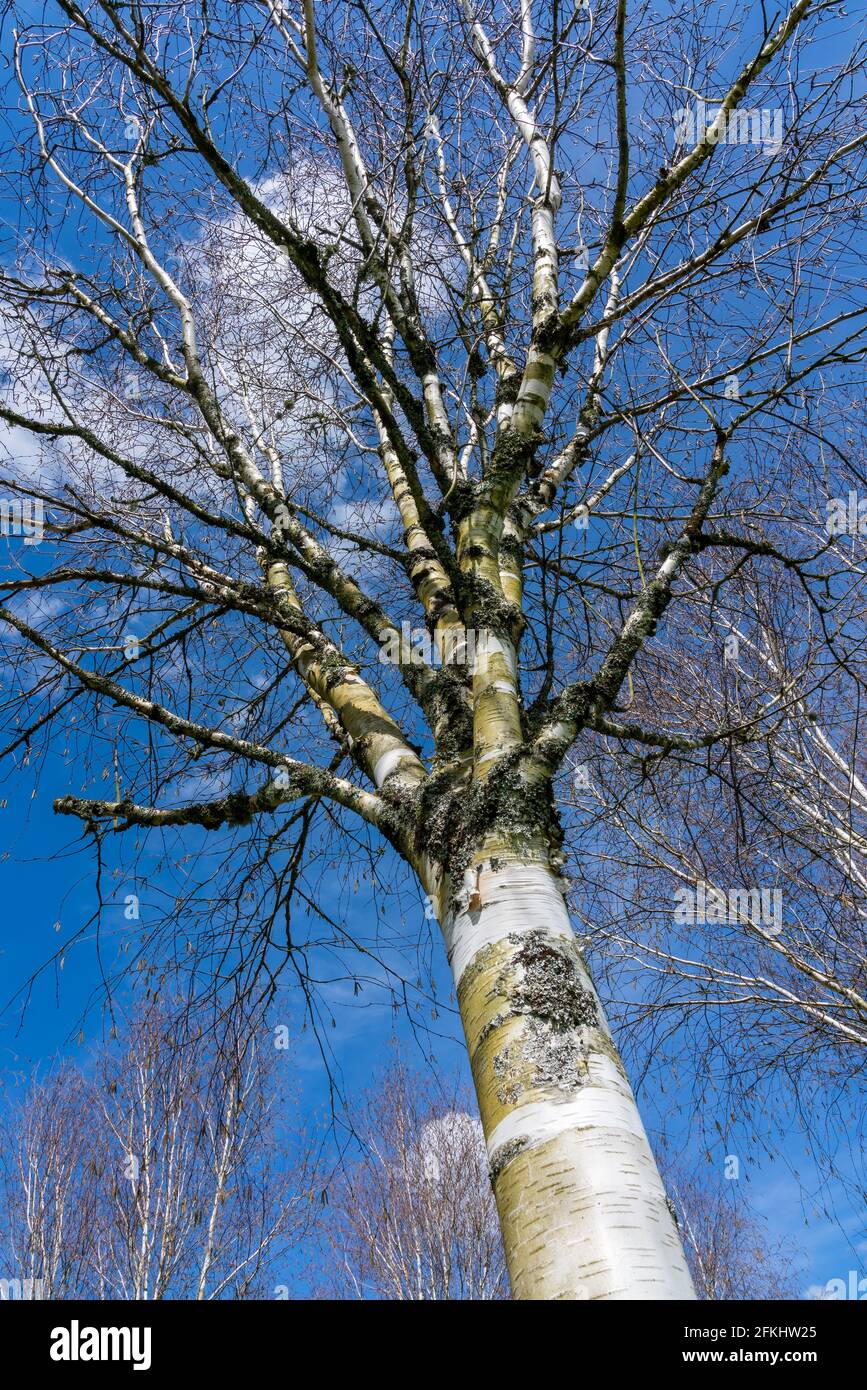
{"x":171,"y":1169}
{"x":413,"y":1215}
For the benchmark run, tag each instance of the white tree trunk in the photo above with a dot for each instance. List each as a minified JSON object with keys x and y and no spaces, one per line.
{"x":582,"y":1206}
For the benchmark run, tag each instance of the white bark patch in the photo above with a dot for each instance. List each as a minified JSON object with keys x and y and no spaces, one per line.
{"x":490,"y":646}
{"x":604,"y":1101}
{"x":516,"y":900}
{"x":611,"y":1236}
{"x":386,"y":765}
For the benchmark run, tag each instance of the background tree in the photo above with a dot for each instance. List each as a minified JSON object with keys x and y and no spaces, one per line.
{"x":730,"y":1253}
{"x":414,"y":1217}
{"x":47,"y":1210}
{"x":170,"y":1172}
{"x":476,"y":319}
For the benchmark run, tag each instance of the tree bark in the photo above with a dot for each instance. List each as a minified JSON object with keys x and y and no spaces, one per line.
{"x":582,"y":1207}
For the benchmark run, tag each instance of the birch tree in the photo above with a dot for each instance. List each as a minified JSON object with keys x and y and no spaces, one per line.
{"x":730,"y":1252}
{"x":382,"y":388}
{"x":167,"y":1171}
{"x":48,"y":1214}
{"x":412,"y":1215}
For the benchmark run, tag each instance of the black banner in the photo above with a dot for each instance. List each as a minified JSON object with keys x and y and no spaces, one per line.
{"x":87,"y":1340}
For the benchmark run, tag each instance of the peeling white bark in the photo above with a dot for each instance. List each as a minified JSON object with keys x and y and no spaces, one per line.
{"x":582,"y":1206}
{"x":517,"y":899}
